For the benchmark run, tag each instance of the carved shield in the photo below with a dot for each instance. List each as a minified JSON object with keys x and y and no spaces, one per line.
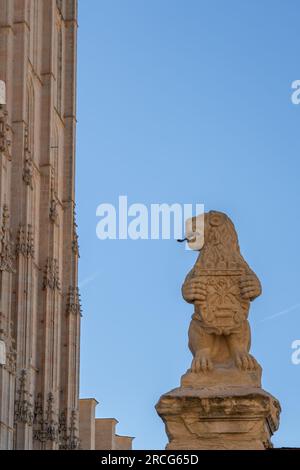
{"x":224,"y":309}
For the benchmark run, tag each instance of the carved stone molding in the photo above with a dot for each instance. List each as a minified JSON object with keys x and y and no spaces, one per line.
{"x":23,"y":403}
{"x":25,"y":241}
{"x":45,"y":421}
{"x":5,"y":142}
{"x":51,"y":275}
{"x":6,"y":245}
{"x":73,"y":302}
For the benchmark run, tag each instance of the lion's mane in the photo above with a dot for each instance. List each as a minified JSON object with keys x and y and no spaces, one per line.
{"x":221,"y":247}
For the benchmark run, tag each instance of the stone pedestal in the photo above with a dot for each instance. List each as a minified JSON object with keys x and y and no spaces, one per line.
{"x":218,"y":417}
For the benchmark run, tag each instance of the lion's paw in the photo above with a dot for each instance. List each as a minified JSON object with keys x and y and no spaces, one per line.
{"x":245,"y":361}
{"x":201,"y":363}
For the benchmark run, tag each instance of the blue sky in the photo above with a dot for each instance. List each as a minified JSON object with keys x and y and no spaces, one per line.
{"x":188,"y":102}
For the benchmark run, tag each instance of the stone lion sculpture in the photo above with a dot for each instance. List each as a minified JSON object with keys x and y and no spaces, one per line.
{"x":221,"y":286}
{"x":220,"y":404}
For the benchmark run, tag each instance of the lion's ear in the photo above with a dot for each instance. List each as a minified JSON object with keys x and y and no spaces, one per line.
{"x":216,"y":218}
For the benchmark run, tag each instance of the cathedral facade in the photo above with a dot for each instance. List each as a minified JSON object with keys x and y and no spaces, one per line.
{"x":39,"y":298}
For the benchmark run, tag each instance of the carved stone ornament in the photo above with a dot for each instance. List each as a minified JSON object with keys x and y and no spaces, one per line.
{"x":28,"y":171}
{"x":25,"y":241}
{"x":6,"y":245}
{"x":46,"y":425}
{"x":73,"y":302}
{"x":51,"y":275}
{"x":23,"y":403}
{"x":220,"y":404}
{"x":68,"y":435}
{"x":53,"y":212}
{"x":5,"y":140}
{"x":75,"y":245}
{"x":6,"y":335}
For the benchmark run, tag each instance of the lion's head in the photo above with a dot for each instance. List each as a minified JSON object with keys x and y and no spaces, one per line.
{"x":214,"y":234}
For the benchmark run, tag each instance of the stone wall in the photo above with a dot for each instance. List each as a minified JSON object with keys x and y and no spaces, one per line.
{"x":99,"y":433}
{"x":40,"y":310}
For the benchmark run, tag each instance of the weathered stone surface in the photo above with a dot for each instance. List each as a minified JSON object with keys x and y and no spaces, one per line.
{"x":220,"y":403}
{"x":222,"y":375}
{"x":219,"y":417}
